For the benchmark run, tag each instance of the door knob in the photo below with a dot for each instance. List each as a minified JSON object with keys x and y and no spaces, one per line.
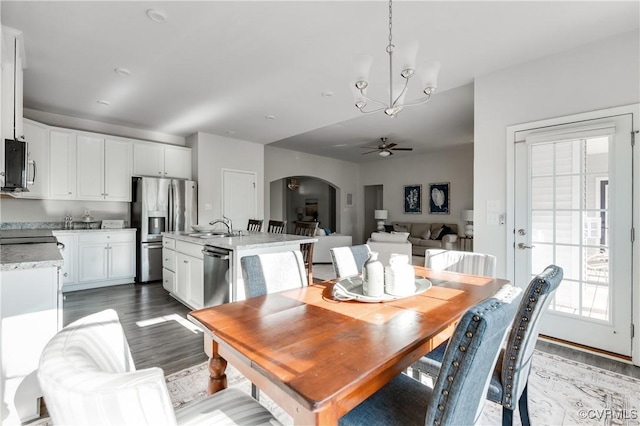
{"x":523,"y":246}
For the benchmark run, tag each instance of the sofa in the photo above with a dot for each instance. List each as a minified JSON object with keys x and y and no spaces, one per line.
{"x":388,"y":243}
{"x":423,"y":236}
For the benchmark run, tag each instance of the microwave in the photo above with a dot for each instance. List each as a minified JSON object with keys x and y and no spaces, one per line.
{"x":15,"y":166}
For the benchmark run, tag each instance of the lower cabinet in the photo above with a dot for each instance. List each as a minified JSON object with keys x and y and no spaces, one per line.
{"x":30,"y":314}
{"x":189,"y":274}
{"x":97,"y":258}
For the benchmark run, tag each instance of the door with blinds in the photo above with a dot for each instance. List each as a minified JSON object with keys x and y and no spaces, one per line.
{"x":573,"y":208}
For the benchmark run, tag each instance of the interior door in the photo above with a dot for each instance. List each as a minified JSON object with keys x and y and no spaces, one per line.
{"x":573,"y":208}
{"x":239,"y":197}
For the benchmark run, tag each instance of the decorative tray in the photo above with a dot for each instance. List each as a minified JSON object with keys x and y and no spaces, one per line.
{"x":351,"y":289}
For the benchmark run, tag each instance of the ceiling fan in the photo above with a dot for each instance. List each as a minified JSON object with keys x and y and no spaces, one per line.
{"x":384,"y":149}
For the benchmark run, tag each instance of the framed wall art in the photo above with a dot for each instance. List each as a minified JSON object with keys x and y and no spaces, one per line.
{"x":439,"y":198}
{"x":413,"y":199}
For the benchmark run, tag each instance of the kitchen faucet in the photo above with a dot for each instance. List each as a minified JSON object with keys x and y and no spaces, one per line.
{"x":226,"y":222}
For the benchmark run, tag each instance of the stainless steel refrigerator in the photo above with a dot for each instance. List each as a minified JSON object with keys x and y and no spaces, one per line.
{"x":159,"y":205}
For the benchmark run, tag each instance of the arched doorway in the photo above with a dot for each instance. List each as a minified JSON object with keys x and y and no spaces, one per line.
{"x":304,"y":198}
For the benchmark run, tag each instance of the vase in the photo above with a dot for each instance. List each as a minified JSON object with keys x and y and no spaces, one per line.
{"x":373,"y":276}
{"x":399,"y":277}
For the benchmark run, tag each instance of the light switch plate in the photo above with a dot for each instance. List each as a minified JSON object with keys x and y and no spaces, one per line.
{"x":112,"y":224}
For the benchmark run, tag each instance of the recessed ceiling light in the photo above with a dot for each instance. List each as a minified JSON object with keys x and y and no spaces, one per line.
{"x":326,"y":94}
{"x":270,"y":117}
{"x":157,"y":15}
{"x":122,"y":71}
{"x":105,"y":103}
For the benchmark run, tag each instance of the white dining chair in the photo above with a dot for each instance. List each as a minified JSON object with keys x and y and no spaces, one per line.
{"x":88,"y":377}
{"x":464,"y":262}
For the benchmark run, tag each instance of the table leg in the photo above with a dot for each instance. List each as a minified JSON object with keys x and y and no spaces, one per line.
{"x":217,"y":367}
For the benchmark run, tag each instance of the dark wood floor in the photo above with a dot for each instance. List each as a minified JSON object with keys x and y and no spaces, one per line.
{"x":171,"y":346}
{"x":166,"y":344}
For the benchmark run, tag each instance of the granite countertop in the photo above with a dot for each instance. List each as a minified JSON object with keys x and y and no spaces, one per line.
{"x":29,"y":256}
{"x":248,"y":240}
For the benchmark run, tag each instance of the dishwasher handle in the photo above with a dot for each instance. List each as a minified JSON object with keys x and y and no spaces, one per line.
{"x":212,"y":252}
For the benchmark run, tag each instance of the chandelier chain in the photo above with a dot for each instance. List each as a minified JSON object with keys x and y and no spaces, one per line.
{"x":390,"y":26}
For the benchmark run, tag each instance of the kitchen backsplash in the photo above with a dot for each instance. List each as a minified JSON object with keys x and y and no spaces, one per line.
{"x":50,"y":225}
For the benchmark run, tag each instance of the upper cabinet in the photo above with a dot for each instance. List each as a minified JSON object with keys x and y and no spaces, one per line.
{"x":62,"y":164}
{"x":153,"y":159}
{"x":103,"y":168}
{"x":11,"y":94}
{"x":13,"y":62}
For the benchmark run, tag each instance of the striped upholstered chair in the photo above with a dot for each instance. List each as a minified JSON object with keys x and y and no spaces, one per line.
{"x":88,"y":377}
{"x":272,"y":272}
{"x":460,"y":261}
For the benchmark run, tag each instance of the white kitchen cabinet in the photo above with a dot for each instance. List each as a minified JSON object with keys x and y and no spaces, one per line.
{"x":90,"y":167}
{"x":103,"y":168}
{"x":11,"y":94}
{"x":30,"y":311}
{"x":37,"y":137}
{"x":189,"y":274}
{"x":118,"y":167}
{"x":69,"y":254}
{"x":154,"y":159}
{"x":62,"y":164}
{"x":12,"y":85}
{"x":177,"y":162}
{"x":105,"y":258}
{"x":168,"y":264}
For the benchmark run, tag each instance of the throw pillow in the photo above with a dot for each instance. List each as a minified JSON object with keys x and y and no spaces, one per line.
{"x":426,"y":234}
{"x":320,"y":232}
{"x":444,"y":231}
{"x":399,"y":228}
{"x":435,"y":235}
{"x":393,"y":237}
{"x":388,"y":228}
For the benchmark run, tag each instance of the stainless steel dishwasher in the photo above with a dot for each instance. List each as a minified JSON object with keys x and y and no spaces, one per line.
{"x":216,"y":275}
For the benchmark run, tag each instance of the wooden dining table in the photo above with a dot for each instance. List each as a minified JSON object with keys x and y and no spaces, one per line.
{"x":318,"y":357}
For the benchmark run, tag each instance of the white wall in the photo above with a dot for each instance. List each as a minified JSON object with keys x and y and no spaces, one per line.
{"x":601,"y":75}
{"x":214,"y":153}
{"x":453,"y":165}
{"x":280,"y":163}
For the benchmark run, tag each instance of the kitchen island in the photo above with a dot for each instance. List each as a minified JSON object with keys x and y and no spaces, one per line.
{"x":200,"y":280}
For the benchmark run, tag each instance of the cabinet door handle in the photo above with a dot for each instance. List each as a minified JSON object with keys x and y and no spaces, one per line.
{"x":66,"y":274}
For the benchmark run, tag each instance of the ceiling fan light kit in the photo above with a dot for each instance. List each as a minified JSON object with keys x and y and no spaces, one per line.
{"x":428,"y":73}
{"x":384,"y":149}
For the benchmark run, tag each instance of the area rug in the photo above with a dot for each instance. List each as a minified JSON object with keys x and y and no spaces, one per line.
{"x":561,"y":392}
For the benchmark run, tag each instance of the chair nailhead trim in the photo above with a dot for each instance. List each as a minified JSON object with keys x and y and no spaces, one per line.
{"x":441,"y":407}
{"x":445,"y":392}
{"x":462,"y":348}
{"x":450,"y":378}
{"x":456,"y":364}
{"x":469,"y":334}
{"x":476,"y":318}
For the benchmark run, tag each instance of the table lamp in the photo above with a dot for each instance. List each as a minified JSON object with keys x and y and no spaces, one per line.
{"x":467,"y":216}
{"x":381,"y":216}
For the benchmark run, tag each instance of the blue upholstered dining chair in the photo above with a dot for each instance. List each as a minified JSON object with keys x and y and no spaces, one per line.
{"x":88,"y":377}
{"x":511,"y":375}
{"x":348,"y":261}
{"x":272,"y":272}
{"x":460,"y":261}
{"x":458,"y":395}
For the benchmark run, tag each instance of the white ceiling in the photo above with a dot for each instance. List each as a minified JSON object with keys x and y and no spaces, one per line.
{"x":221,"y":67}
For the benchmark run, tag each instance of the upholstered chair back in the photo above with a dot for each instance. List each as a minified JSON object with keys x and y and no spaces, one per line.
{"x":516,"y":360}
{"x":459,"y":392}
{"x":271,"y":272}
{"x":88,"y":376}
{"x":348,"y":261}
{"x":460,"y":261}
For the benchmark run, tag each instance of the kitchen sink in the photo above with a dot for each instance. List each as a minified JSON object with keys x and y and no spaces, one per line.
{"x":210,"y":235}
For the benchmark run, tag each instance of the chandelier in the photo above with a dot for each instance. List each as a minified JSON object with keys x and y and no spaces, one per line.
{"x":428,"y":73}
